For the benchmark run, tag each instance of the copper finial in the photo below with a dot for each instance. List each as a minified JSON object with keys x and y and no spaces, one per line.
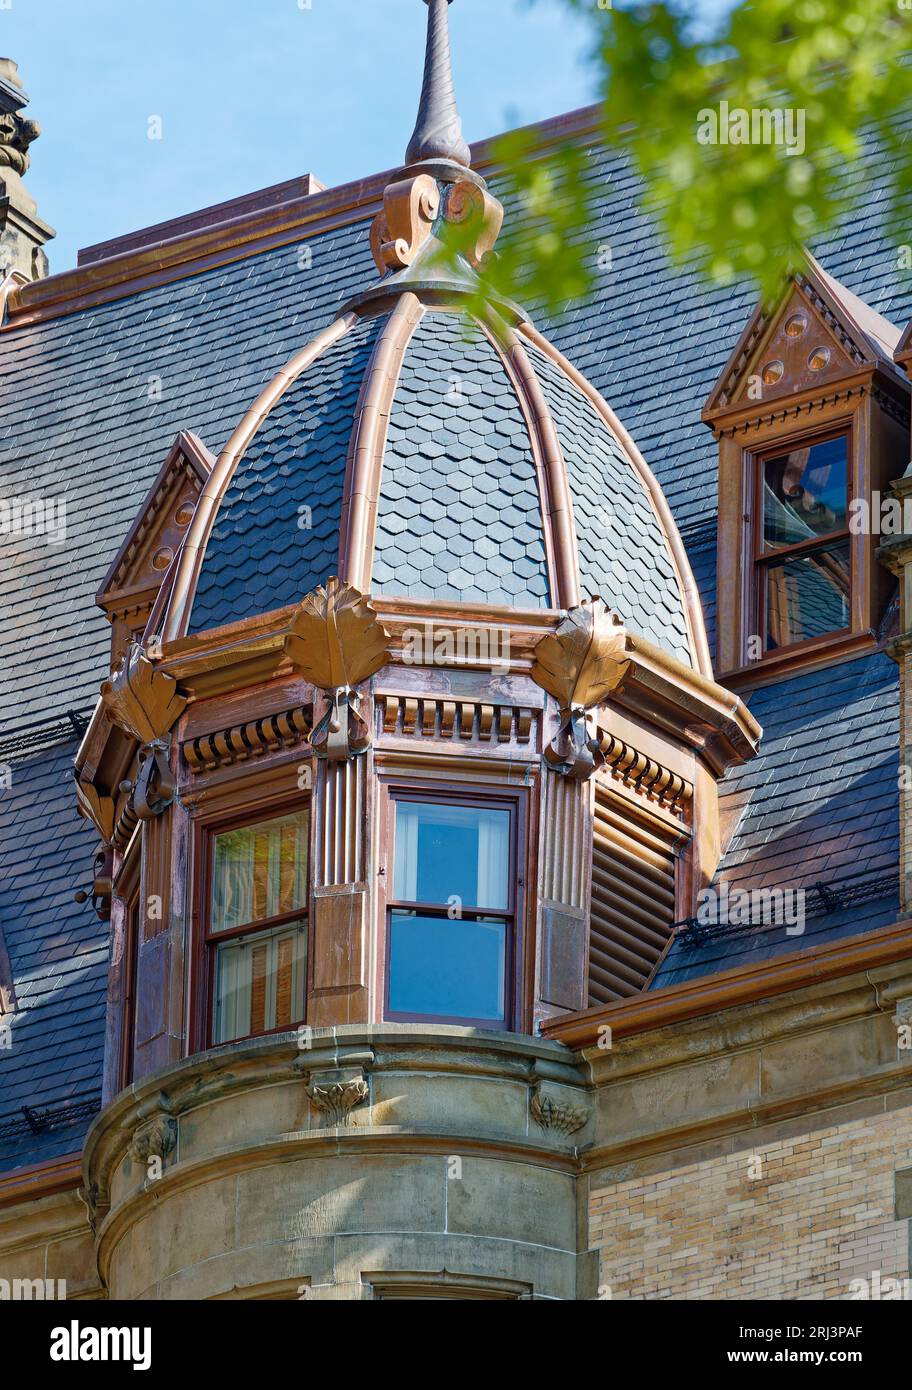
{"x":438,"y":131}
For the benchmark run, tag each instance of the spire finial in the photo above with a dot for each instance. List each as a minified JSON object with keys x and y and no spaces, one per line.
{"x":438,"y":131}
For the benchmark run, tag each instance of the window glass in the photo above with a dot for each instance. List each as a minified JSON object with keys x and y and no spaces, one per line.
{"x":260,"y":981}
{"x":807,"y":595}
{"x":805,"y":493}
{"x":259,"y":872}
{"x":447,"y":968}
{"x":447,"y":852}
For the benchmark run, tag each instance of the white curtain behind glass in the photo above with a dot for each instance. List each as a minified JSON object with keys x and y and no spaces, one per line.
{"x":492,"y":829}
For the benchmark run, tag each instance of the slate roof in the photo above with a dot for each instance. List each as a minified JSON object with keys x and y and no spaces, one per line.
{"x":58,"y":957}
{"x":91,"y":403}
{"x":623,"y":556}
{"x":260,"y":556}
{"x":459,"y":514}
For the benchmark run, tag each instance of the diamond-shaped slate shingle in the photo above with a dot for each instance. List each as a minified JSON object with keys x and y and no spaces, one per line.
{"x":276,"y":535}
{"x":623,"y":556}
{"x":459,"y":469}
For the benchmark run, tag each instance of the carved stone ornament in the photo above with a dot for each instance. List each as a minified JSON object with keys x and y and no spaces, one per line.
{"x":156,"y":1138}
{"x":552,"y":1109}
{"x":398,"y":233}
{"x":580,"y":665}
{"x":335,"y":642}
{"x":336,"y":1099}
{"x":141,"y":699}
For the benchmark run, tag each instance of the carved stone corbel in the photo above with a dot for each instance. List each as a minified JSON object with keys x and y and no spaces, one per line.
{"x":336,"y":642}
{"x":580,"y":665}
{"x":398,"y":233}
{"x":553,"y":1109}
{"x":336,"y":1094}
{"x":157,"y":1138}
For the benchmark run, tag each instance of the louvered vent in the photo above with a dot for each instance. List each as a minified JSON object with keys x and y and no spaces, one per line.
{"x":633,"y":899}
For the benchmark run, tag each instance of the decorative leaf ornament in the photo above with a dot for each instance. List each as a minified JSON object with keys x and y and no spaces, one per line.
{"x":580,"y":665}
{"x":336,"y":642}
{"x":141,"y":699}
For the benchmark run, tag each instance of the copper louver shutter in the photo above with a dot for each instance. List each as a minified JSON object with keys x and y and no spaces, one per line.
{"x":633,"y":898}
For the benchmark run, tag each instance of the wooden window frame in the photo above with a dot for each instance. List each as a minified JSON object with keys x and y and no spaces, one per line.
{"x":205,"y":942}
{"x":760,"y":560}
{"x":127,"y":889}
{"x":484,"y":797}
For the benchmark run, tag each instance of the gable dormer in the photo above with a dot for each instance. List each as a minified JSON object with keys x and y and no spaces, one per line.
{"x":811,"y":415}
{"x":131,"y":585}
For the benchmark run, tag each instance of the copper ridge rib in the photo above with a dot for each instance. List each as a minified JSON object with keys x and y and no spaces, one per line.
{"x":502,"y":338}
{"x":693,"y":610}
{"x":197,"y":538}
{"x":558,"y":506}
{"x":368,"y":444}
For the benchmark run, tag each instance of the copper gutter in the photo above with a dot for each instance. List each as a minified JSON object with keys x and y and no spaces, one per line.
{"x":693,"y":608}
{"x":368,"y":444}
{"x":729,"y":989}
{"x":41,"y":1180}
{"x":194,"y":547}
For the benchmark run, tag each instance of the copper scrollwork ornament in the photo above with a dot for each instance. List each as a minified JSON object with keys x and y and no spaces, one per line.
{"x":145,"y":702}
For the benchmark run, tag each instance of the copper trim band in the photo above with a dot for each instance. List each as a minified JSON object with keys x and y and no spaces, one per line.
{"x":368,"y":444}
{"x":194,"y":548}
{"x":709,"y":994}
{"x":693,"y":609}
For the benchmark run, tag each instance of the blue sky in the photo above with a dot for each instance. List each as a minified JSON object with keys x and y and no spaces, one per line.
{"x":253,"y":92}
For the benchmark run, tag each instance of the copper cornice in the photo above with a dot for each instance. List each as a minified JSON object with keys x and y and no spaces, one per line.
{"x":248,"y":234}
{"x":709,"y":994}
{"x":693,"y":608}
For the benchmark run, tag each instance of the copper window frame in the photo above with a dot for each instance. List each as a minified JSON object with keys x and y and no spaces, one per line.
{"x":491,"y":796}
{"x":759,"y":561}
{"x":205,"y":941}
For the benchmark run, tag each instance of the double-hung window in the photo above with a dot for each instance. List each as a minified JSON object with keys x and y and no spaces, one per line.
{"x":802,"y":551}
{"x":256,"y":930}
{"x":452,"y":912}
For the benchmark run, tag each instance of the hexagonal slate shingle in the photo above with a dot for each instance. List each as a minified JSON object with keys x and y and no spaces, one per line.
{"x":276,"y":535}
{"x":458,"y":443}
{"x":622,"y":552}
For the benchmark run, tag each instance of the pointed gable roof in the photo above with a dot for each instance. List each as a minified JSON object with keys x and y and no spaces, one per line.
{"x":816,"y":334}
{"x":141,"y":563}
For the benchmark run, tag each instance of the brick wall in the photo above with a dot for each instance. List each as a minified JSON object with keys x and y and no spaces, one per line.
{"x":816,"y":1212}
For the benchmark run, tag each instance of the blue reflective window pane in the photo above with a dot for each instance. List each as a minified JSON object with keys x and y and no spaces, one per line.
{"x":449,"y":969}
{"x":452,"y":852}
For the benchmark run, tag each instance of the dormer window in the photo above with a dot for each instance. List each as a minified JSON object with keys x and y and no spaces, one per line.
{"x":812,"y":418}
{"x":256,"y":930}
{"x":802,"y":557}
